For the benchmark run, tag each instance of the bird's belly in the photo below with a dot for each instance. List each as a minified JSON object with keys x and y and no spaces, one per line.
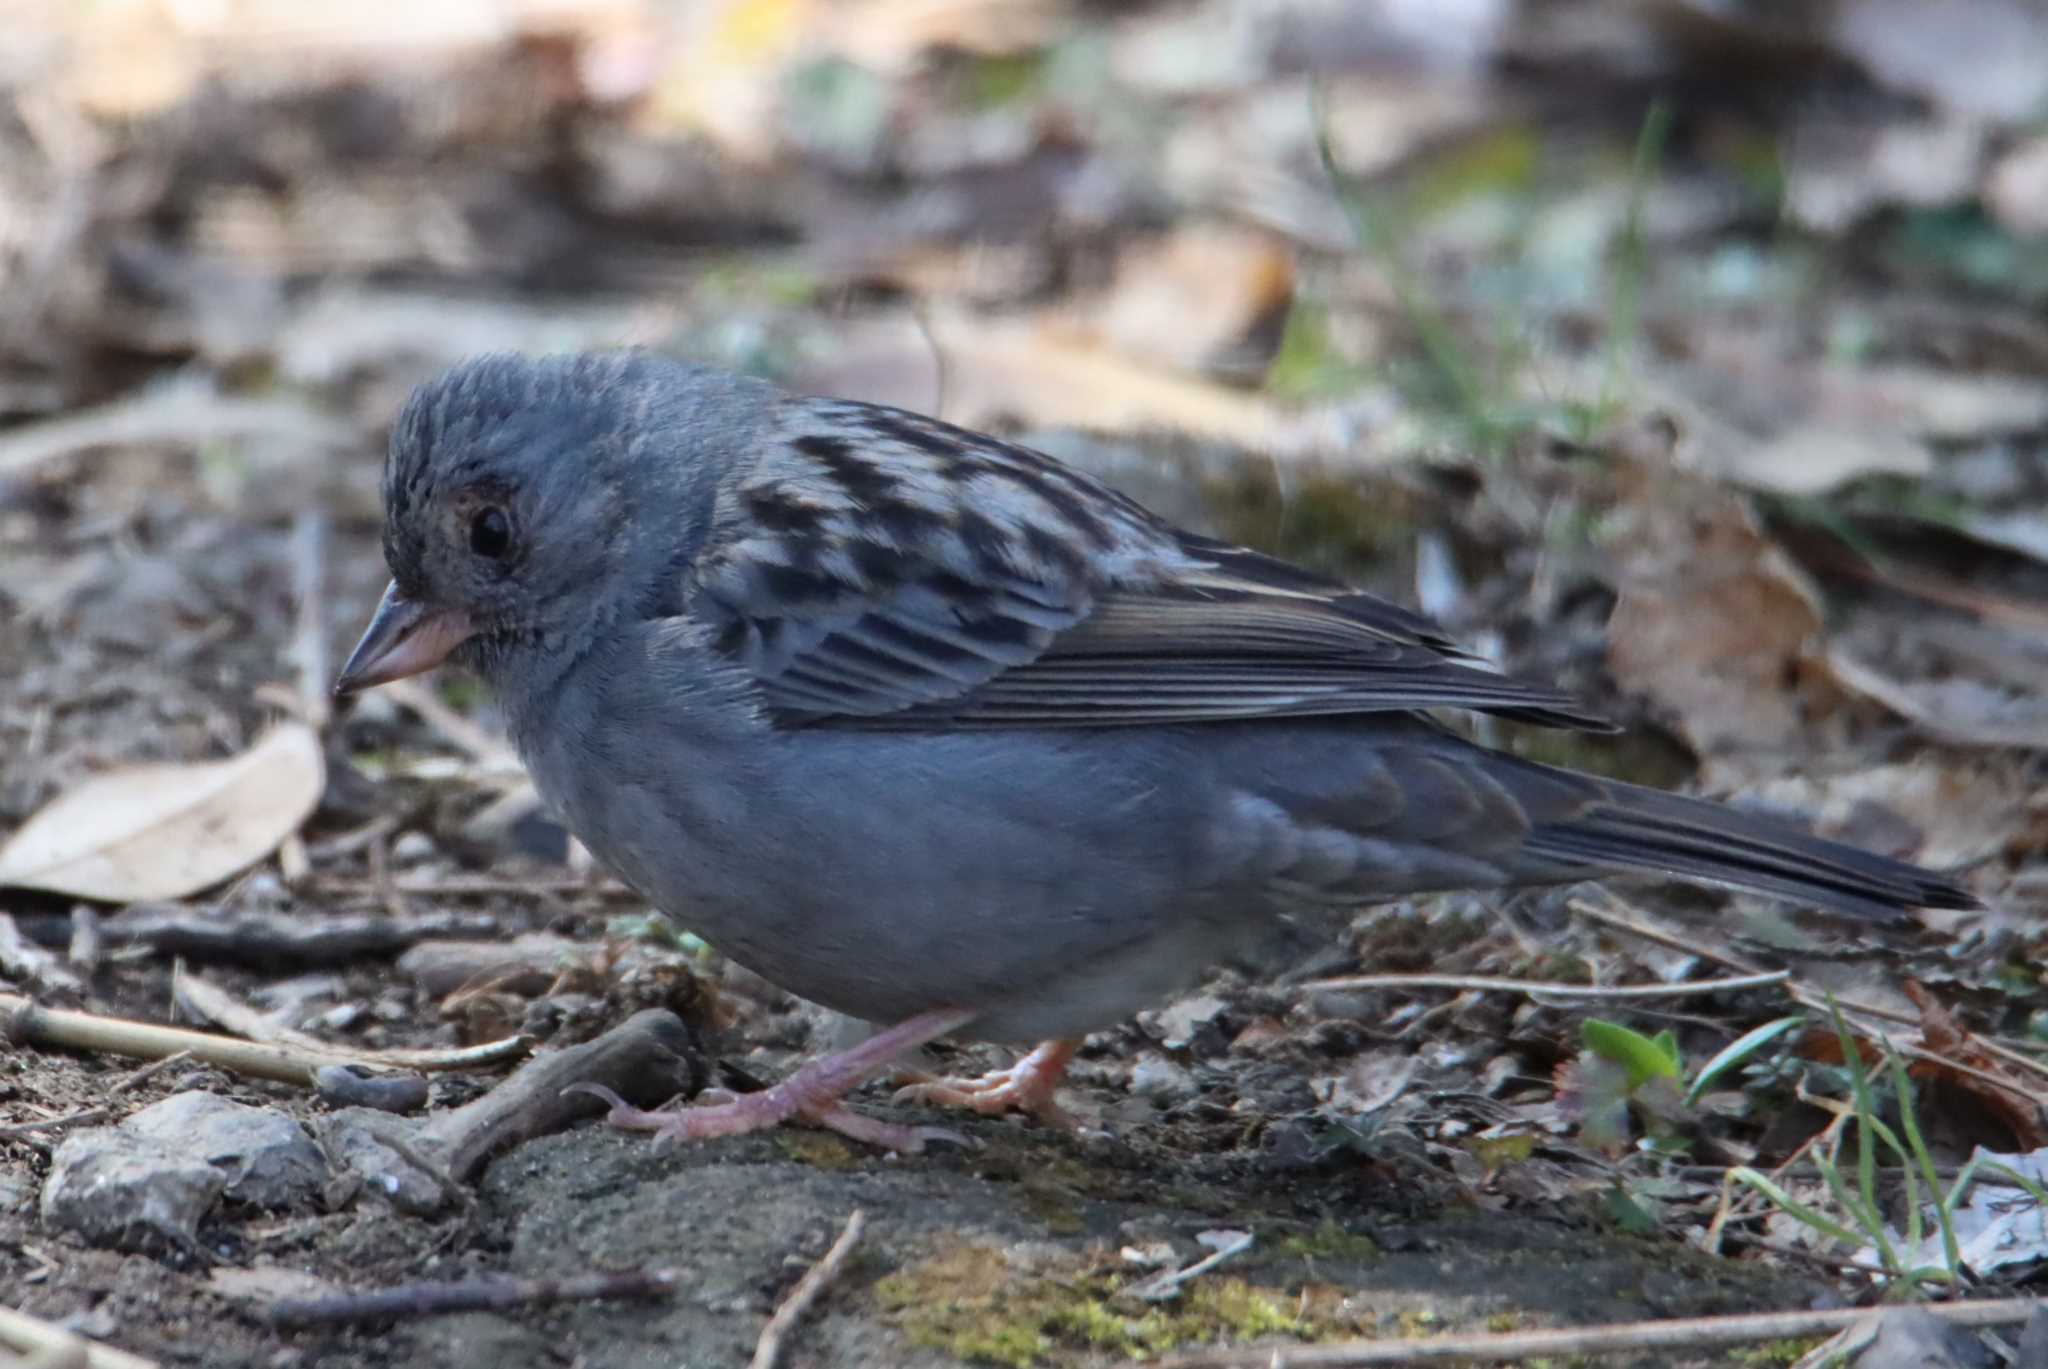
{"x":1058,"y":887}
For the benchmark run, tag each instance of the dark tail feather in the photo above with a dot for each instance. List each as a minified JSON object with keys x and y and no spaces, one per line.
{"x":1644,"y":829}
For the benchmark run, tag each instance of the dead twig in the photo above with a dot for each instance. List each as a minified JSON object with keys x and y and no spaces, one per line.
{"x":473,"y":886}
{"x":217,"y":1005}
{"x":309,"y":632}
{"x":27,"y":963}
{"x":469,"y":1295}
{"x":1543,"y":989}
{"x":649,"y":1058}
{"x":182,"y":414}
{"x":25,"y":1022}
{"x":39,"y":1341}
{"x":1165,"y":1285}
{"x":1678,"y":1333}
{"x":493,"y":753}
{"x":815,"y":1281}
{"x":17,"y":1130}
{"x":268,"y":940}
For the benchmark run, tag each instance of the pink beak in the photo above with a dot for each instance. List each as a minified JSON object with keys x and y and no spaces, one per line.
{"x":404,"y":637}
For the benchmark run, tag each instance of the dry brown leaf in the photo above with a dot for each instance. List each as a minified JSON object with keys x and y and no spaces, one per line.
{"x":1038,"y":373}
{"x":1963,"y":711}
{"x":1719,"y":628}
{"x":891,"y":36}
{"x":2016,"y":191}
{"x":1928,"y":810}
{"x":1985,"y":1077}
{"x":1205,"y":298}
{"x":165,"y":831}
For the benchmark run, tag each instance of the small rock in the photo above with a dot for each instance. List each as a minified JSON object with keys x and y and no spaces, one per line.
{"x":1181,"y":1023}
{"x":17,"y":1190}
{"x":1159,"y":1079}
{"x":1914,"y":1338}
{"x":354,"y":1138}
{"x":480,"y":1338}
{"x":118,"y":1189}
{"x":264,"y":890}
{"x":350,"y":1086}
{"x":264,"y":1156}
{"x":413,"y":847}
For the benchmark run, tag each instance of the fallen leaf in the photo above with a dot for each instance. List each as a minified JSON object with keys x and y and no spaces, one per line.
{"x":1038,"y":372}
{"x":1966,"y":712}
{"x":1209,"y":298}
{"x":1985,"y":1077}
{"x":2016,"y":190}
{"x":1986,"y":58}
{"x":1925,"y":810}
{"x":165,"y":831}
{"x":1719,"y":628}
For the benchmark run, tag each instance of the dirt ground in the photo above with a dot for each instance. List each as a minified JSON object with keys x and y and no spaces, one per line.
{"x":1693,"y":360}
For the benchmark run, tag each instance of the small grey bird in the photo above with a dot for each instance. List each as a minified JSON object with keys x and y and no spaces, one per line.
{"x":936,"y":731}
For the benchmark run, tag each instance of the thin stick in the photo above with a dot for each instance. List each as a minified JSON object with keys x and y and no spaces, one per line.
{"x":1679,"y":1333}
{"x":1166,"y":1284}
{"x":472,"y":886}
{"x":1635,"y":926}
{"x":768,"y":1349}
{"x":26,"y":1022}
{"x":36,"y":1338}
{"x":493,"y":752}
{"x":69,"y":1119}
{"x":309,"y":635}
{"x":1540,"y":989}
{"x":2011,"y":1056}
{"x":433,"y":1299}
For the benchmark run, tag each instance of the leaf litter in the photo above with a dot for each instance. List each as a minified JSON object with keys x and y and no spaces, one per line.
{"x":1441,"y":358}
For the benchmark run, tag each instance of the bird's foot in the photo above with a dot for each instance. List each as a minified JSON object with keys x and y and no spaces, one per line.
{"x":1027,"y":1086}
{"x":723,"y":1113}
{"x":810,"y":1096}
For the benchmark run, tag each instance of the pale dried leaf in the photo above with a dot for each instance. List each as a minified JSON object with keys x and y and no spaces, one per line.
{"x":1036,"y":373}
{"x":1198,"y":299}
{"x":165,"y":831}
{"x":1720,"y":629}
{"x":2016,"y":191}
{"x":1964,"y":711}
{"x":1813,"y":458}
{"x":1987,"y":58}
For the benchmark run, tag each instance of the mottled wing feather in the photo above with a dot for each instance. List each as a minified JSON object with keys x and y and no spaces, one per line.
{"x":882,"y":569}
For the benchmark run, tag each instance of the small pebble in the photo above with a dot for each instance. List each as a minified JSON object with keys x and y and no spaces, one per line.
{"x":1157,"y":1078}
{"x":413,"y":847}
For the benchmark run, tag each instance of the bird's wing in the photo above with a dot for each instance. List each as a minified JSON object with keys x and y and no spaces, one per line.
{"x":879,"y":568}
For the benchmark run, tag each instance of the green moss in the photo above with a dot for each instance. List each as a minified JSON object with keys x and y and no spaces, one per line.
{"x":1504,"y":162}
{"x":1052,"y":1203}
{"x":1776,"y":1352}
{"x":816,"y":1149}
{"x":461,"y":691}
{"x":1005,"y":78}
{"x":1329,"y":523}
{"x":1640,"y":757}
{"x":1496,"y":1153}
{"x":1332,"y":1242}
{"x":970,"y":1301}
{"x":1308,"y":364}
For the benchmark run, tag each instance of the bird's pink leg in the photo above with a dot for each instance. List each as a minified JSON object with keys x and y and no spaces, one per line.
{"x":811,"y":1095}
{"x":1026,"y":1086}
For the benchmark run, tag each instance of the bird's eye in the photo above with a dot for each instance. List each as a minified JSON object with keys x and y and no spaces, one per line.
{"x":490,"y":533}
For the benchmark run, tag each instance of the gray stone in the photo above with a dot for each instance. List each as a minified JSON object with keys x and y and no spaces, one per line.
{"x":118,"y":1189}
{"x":355,"y":1137}
{"x":265,"y":1156}
{"x":1161,"y":1080}
{"x":1914,"y":1338}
